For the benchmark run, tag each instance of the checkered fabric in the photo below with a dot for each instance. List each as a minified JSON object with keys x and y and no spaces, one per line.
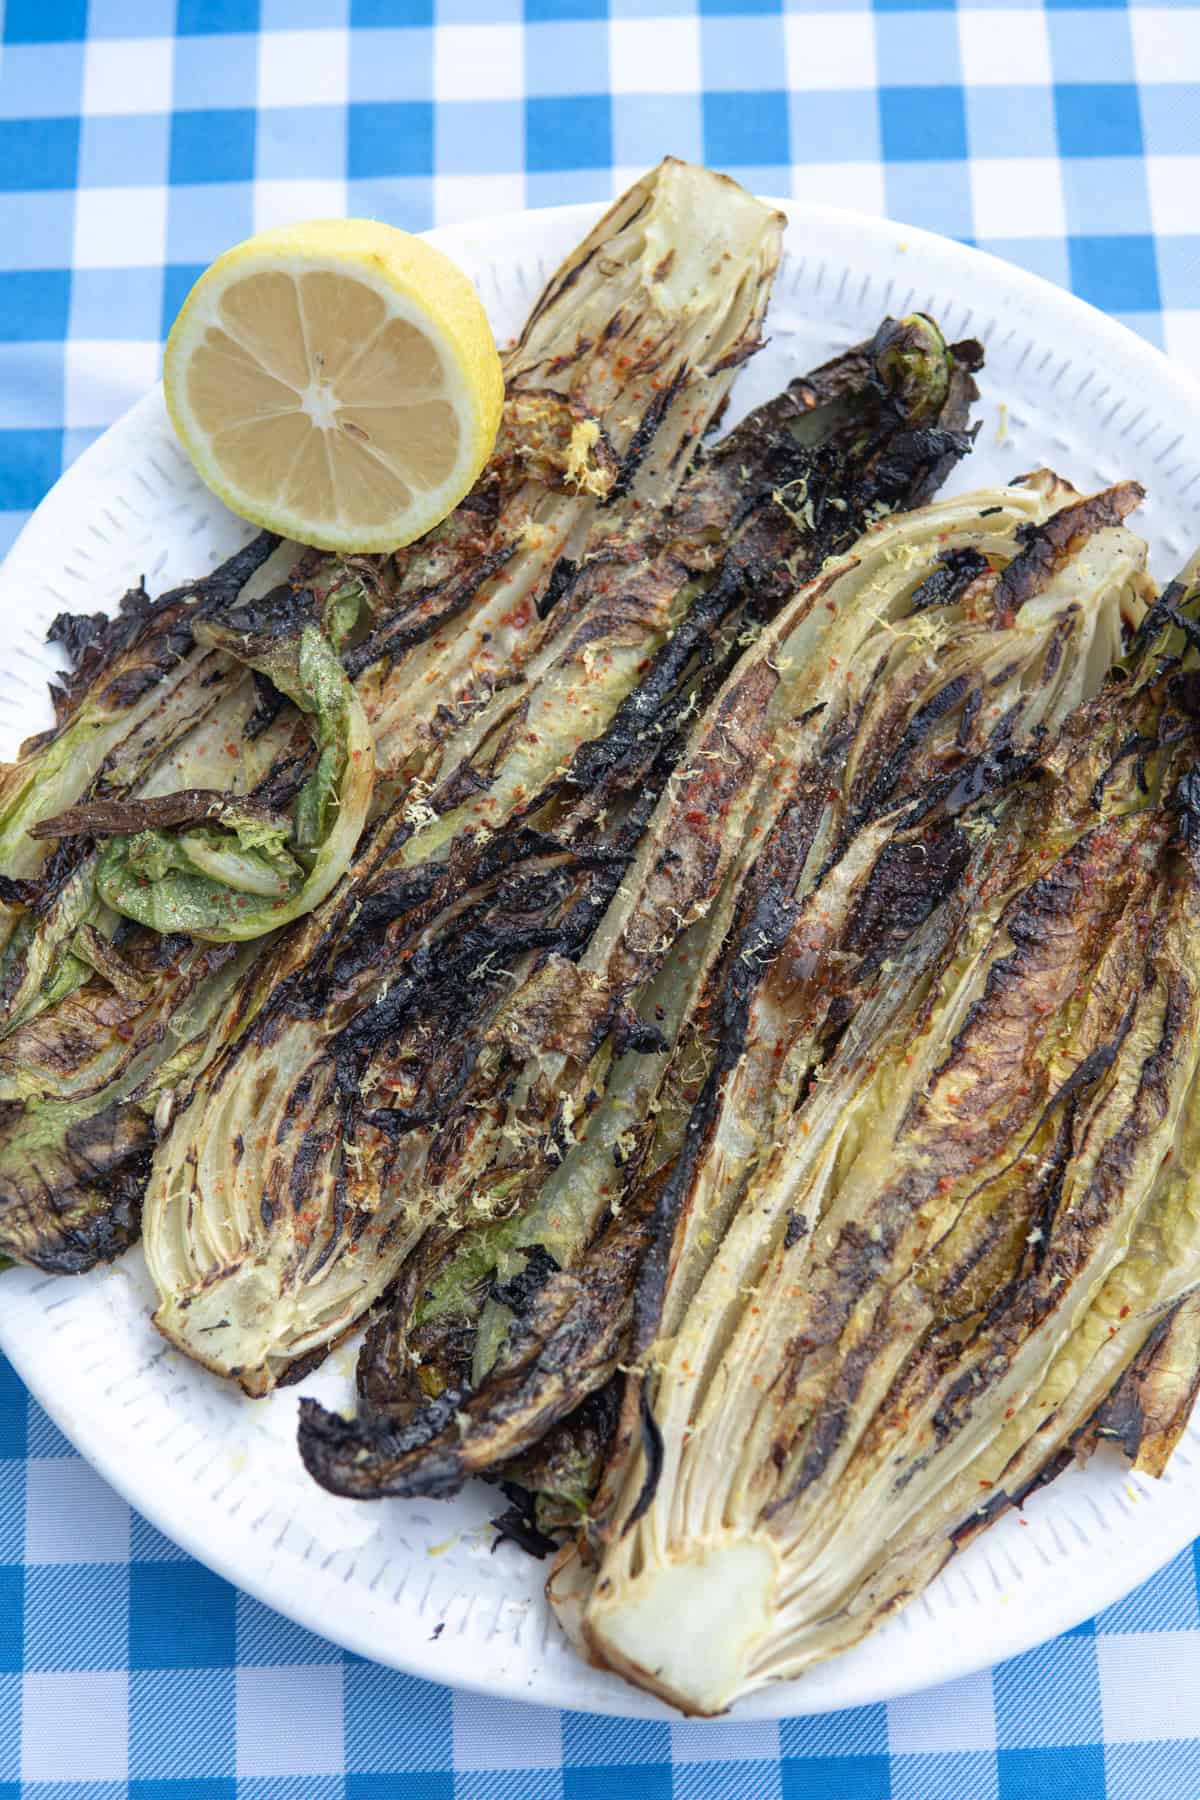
{"x":138,"y":138}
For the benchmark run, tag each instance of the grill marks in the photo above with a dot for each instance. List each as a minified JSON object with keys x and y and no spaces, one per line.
{"x":691,"y":846}
{"x":564,"y":1346}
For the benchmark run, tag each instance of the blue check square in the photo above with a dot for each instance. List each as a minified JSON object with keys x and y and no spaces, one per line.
{"x":921,"y":124}
{"x":12,"y":1620}
{"x":370,"y":13}
{"x":30,"y":464}
{"x":387,"y":139}
{"x":44,"y":21}
{"x":554,"y":11}
{"x":180,"y":1617}
{"x":198,"y":17}
{"x":20,"y":291}
{"x":1037,"y":1774}
{"x":1098,"y":119}
{"x":836,"y":1778}
{"x":568,"y":133}
{"x":1117,"y":274}
{"x":737,"y":135}
{"x":620,"y":1781}
{"x":217,"y":145}
{"x":38,"y":153}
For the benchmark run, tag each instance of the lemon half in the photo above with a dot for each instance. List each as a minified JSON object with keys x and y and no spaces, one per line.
{"x":336,"y":382}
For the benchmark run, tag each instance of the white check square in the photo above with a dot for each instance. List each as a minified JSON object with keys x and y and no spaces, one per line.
{"x":1173,"y":183}
{"x":1181,"y":334}
{"x":128,"y":75}
{"x":71,"y":1515}
{"x":501,"y":1734}
{"x":120,"y":227}
{"x":1004,"y":49}
{"x":303,"y":68}
{"x":959,"y":1716}
{"x":1166,"y":44}
{"x":858,"y":186}
{"x":292,"y":202}
{"x":104,"y":377}
{"x":1017,"y":196}
{"x":75,"y":1725}
{"x":654,"y":56}
{"x":289,"y":1720}
{"x":1148,"y":1686}
{"x":718,"y":1740}
{"x":478,"y":62}
{"x":458,"y":197}
{"x":830,"y":50}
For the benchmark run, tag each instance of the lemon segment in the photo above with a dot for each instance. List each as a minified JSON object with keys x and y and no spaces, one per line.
{"x":336,"y":382}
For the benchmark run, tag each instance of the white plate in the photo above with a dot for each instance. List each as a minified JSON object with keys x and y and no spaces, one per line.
{"x":417,"y":1585}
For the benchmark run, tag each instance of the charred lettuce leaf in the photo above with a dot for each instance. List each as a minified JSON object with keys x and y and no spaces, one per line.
{"x":247,"y":873}
{"x":970,"y":1251}
{"x":445,"y":641}
{"x":395,"y":1100}
{"x":878,"y":700}
{"x":130,"y":695}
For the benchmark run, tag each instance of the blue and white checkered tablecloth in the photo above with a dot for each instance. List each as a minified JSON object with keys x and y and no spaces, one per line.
{"x":138,"y":138}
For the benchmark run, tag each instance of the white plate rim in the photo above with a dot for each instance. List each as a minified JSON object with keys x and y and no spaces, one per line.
{"x":1110,"y":1579}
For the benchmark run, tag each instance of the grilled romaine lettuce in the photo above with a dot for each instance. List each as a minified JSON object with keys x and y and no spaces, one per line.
{"x":979,"y":1221}
{"x":462,"y":630}
{"x":929,"y":660}
{"x":356,"y":1079}
{"x":132,"y":694}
